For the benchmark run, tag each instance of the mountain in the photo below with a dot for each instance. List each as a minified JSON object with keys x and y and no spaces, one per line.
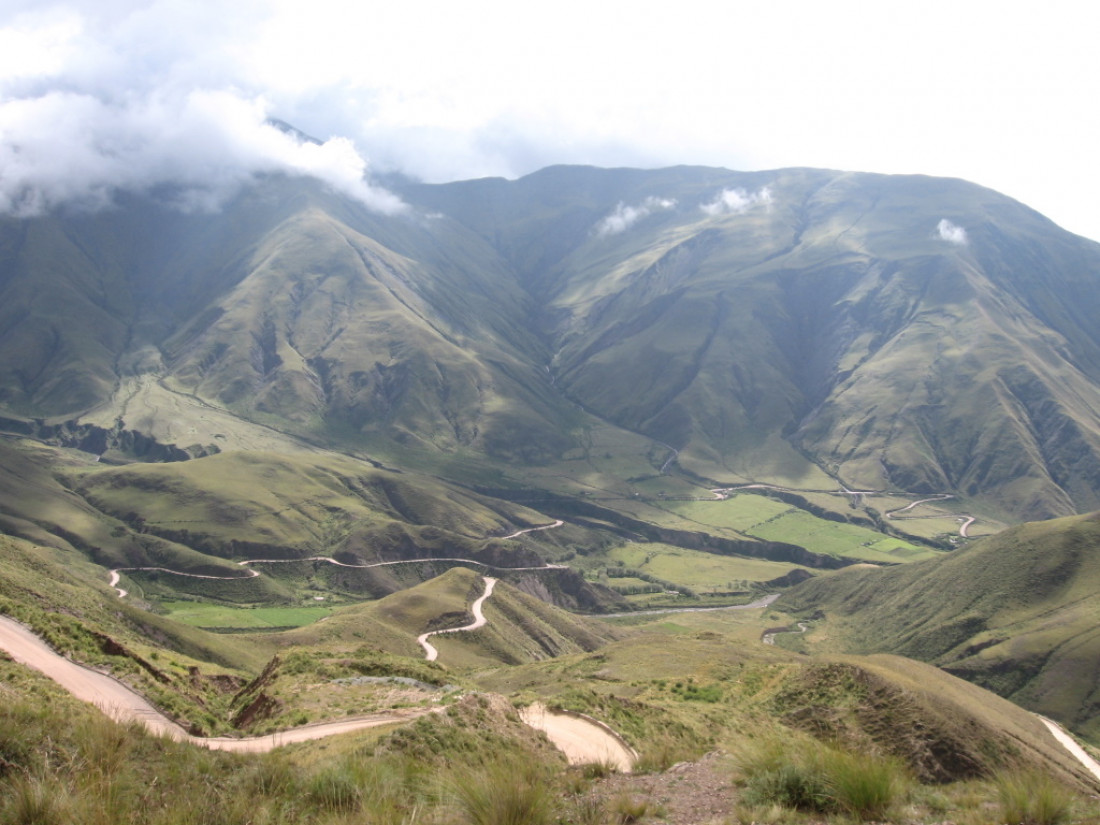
{"x":1015,"y":613}
{"x":903,"y":333}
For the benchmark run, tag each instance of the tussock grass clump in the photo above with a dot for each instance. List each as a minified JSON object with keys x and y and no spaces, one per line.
{"x":863,"y":785}
{"x":1033,"y":799}
{"x":814,"y":777}
{"x":662,"y":751}
{"x":34,"y":801}
{"x":627,"y":809}
{"x":499,"y":794}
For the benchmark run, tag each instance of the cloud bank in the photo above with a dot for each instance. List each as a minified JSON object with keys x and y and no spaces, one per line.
{"x":951,"y":233}
{"x":89,"y":117}
{"x":624,"y":217}
{"x":736,"y":201}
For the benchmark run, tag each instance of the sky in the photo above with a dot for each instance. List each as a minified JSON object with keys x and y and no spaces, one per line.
{"x":174,"y":96}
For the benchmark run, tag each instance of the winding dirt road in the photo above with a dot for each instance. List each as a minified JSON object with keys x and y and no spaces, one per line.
{"x":1071,"y":745}
{"x":123,"y":704}
{"x":430,"y":653}
{"x":965,"y":519}
{"x":582,"y":739}
{"x":115,"y":574}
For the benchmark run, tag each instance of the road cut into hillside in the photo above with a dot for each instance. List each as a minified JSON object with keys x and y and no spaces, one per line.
{"x":123,"y":704}
{"x":116,"y":573}
{"x":430,"y":653}
{"x":1068,"y":742}
{"x":582,"y":739}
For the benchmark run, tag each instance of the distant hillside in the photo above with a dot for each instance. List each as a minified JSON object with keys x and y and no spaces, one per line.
{"x":520,"y":628}
{"x":910,"y":333}
{"x":1017,"y":613}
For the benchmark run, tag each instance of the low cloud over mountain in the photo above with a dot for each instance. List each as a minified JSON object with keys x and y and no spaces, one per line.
{"x":84,"y":115}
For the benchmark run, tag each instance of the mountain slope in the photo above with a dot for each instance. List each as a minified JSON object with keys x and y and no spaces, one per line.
{"x":906,"y":332}
{"x":902,"y":333}
{"x":1016,"y":613}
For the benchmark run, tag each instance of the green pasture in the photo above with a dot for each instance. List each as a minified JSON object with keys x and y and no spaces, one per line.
{"x":740,"y":513}
{"x":695,"y":569}
{"x":834,"y":538}
{"x":206,"y":615}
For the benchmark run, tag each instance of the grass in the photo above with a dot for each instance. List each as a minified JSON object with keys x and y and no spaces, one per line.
{"x":739,"y":512}
{"x":837,"y":539}
{"x":819,"y":778}
{"x":206,"y":615}
{"x":1015,"y":612}
{"x":700,"y":572}
{"x":1033,"y":799}
{"x":503,"y":794}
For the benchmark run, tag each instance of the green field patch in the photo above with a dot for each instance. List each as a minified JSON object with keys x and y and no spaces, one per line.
{"x":738,"y":513}
{"x":694,"y":569}
{"x":838,"y":539}
{"x":205,"y":615}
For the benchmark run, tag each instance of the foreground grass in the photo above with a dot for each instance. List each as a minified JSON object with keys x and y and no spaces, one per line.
{"x":63,"y":762}
{"x":823,"y":779}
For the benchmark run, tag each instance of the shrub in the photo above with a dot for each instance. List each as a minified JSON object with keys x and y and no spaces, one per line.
{"x":789,"y":785}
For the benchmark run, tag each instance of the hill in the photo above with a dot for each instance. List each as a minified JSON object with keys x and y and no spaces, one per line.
{"x":1015,"y":613}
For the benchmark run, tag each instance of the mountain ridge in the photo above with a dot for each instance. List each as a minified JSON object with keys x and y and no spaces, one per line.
{"x":909,"y":333}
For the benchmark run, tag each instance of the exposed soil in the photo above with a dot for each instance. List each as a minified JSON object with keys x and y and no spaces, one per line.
{"x":688,"y":793}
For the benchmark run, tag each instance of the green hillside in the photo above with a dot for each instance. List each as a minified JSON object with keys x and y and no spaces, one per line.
{"x":795,"y":326}
{"x":1016,"y":613}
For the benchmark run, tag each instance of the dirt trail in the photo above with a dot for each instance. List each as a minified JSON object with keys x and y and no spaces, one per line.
{"x":769,"y":635}
{"x":123,"y":704}
{"x":857,"y":496}
{"x":1070,"y":745}
{"x":556,"y":524}
{"x":582,"y":739}
{"x":251,"y":574}
{"x":430,"y":653}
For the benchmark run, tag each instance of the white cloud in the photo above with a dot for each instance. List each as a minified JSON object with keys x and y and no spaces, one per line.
{"x":624,"y":217}
{"x":449,"y":91}
{"x":119,"y":103}
{"x":951,"y":233}
{"x":736,"y":201}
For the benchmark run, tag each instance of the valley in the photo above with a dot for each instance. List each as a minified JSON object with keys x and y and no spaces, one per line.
{"x":766,"y":482}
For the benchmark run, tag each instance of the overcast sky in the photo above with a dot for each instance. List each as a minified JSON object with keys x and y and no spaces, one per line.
{"x":114,"y":94}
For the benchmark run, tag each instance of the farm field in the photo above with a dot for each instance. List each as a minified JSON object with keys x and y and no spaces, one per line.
{"x":838,"y":539}
{"x":694,"y":569}
{"x":213,"y":616}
